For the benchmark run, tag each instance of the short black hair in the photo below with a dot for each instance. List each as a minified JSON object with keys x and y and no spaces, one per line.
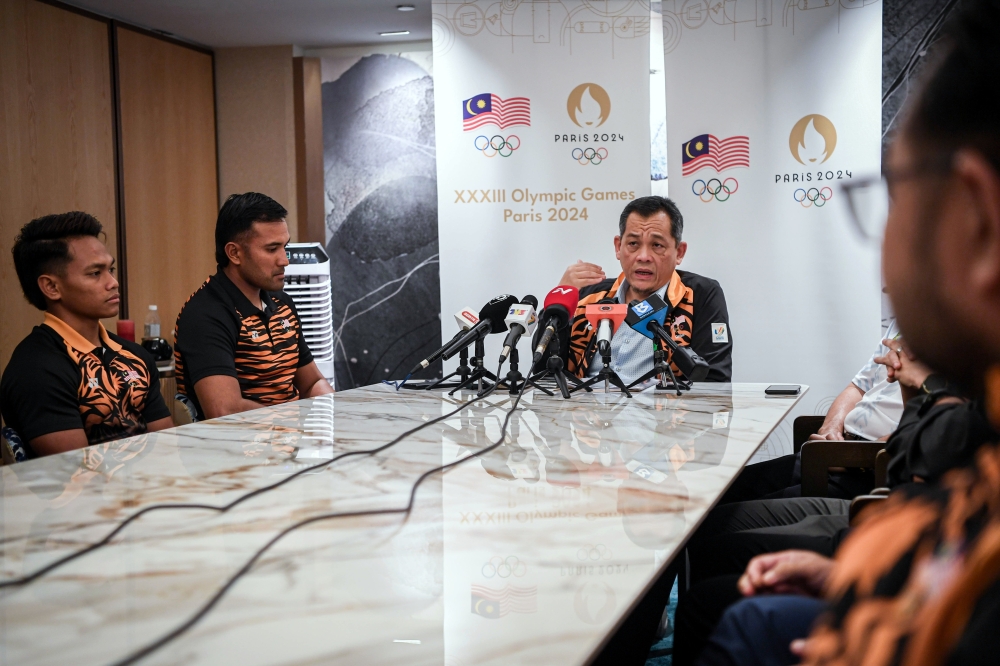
{"x":956,"y":106}
{"x":41,"y":248}
{"x":648,"y":206}
{"x":237,"y":216}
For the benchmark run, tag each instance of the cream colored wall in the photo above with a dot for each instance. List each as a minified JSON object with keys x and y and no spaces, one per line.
{"x":255,"y":115}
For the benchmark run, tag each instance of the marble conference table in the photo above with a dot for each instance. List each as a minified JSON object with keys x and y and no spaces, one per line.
{"x":532,"y":553}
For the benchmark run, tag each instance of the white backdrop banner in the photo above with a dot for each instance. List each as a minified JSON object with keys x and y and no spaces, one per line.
{"x":542,"y":134}
{"x":771,"y":107}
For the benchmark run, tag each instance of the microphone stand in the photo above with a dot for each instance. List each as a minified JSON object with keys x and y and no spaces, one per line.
{"x":462,"y":371}
{"x":607,"y":374}
{"x":514,"y":376}
{"x":662,"y":368}
{"x":554,"y":367}
{"x":479,"y":372}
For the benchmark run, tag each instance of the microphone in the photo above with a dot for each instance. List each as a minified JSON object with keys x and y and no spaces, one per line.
{"x":560,"y":304}
{"x":491,"y":320}
{"x":640,"y":313}
{"x":466,"y":319}
{"x":647,"y":317}
{"x":606,"y":316}
{"x":520,"y":319}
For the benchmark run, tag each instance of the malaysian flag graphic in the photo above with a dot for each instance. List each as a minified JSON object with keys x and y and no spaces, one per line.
{"x":488,"y":109}
{"x":707,"y":150}
{"x":495,"y":604}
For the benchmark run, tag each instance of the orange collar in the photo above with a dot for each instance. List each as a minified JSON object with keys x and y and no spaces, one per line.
{"x":616,"y":286}
{"x":675,"y":289}
{"x":77,"y":341}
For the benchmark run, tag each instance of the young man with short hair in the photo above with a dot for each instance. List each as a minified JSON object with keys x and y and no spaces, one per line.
{"x":238,"y":340}
{"x":70,"y":383}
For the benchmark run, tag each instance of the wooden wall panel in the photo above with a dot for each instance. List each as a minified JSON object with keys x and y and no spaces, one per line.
{"x":169,"y":168}
{"x":256,"y":122}
{"x":309,"y":150}
{"x":56,"y":135}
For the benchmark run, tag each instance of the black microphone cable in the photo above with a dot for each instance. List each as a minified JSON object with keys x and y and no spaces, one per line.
{"x":404,"y":510}
{"x":24,"y":580}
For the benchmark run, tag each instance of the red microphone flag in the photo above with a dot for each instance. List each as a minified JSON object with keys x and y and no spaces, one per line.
{"x":564,"y":296}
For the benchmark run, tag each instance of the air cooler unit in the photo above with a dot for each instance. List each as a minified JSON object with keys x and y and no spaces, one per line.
{"x":307,"y":281}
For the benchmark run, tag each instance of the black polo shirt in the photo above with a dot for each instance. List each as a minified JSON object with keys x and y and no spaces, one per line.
{"x":220,"y":332}
{"x":57,"y":380}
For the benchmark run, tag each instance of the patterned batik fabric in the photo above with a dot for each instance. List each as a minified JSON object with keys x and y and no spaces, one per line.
{"x":916,"y":582}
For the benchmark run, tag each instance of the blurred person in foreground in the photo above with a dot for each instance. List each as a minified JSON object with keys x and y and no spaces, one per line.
{"x":918,"y":580}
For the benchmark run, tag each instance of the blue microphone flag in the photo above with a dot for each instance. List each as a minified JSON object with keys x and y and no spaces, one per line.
{"x":641,"y":313}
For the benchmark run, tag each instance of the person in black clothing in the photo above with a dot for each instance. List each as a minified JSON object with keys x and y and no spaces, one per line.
{"x":938,"y":432}
{"x":238,"y":339}
{"x":650,"y":248}
{"x":70,"y":383}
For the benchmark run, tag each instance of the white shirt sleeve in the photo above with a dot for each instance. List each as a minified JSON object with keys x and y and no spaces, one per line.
{"x":873,"y":372}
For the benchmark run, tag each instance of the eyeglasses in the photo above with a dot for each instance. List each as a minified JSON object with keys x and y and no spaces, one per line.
{"x":868,"y":205}
{"x":868,"y":199}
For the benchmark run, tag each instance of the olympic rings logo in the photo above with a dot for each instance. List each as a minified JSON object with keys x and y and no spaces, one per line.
{"x":590,"y":155}
{"x":504,"y":567}
{"x":593,"y":553}
{"x":720,"y":190}
{"x":497,"y":145}
{"x":813,"y":196}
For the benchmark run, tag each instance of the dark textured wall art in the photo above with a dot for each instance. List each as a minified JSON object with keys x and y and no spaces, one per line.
{"x":381,"y":215}
{"x":909,"y":29}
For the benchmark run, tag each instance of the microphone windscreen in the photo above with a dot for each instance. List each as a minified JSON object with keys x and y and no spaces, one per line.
{"x":530,"y":300}
{"x":496,"y":310}
{"x":562,"y":300}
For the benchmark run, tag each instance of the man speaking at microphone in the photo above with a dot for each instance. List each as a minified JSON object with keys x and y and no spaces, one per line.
{"x":650,"y":248}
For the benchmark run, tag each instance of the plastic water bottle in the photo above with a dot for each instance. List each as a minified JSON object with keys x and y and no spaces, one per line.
{"x":152,"y":327}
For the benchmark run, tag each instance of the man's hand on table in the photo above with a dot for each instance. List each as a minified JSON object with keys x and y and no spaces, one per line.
{"x":581,"y":274}
{"x":787,"y":572}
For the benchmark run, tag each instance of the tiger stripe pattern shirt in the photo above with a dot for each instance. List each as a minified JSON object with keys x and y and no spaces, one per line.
{"x":58,"y":380}
{"x":220,"y":332}
{"x":698,"y":318}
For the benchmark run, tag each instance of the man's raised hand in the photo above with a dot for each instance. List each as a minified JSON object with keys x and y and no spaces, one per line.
{"x":581,"y":274}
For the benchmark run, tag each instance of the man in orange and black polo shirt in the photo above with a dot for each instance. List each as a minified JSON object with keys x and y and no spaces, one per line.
{"x":239,"y":343}
{"x":70,"y":383}
{"x":650,"y":248}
